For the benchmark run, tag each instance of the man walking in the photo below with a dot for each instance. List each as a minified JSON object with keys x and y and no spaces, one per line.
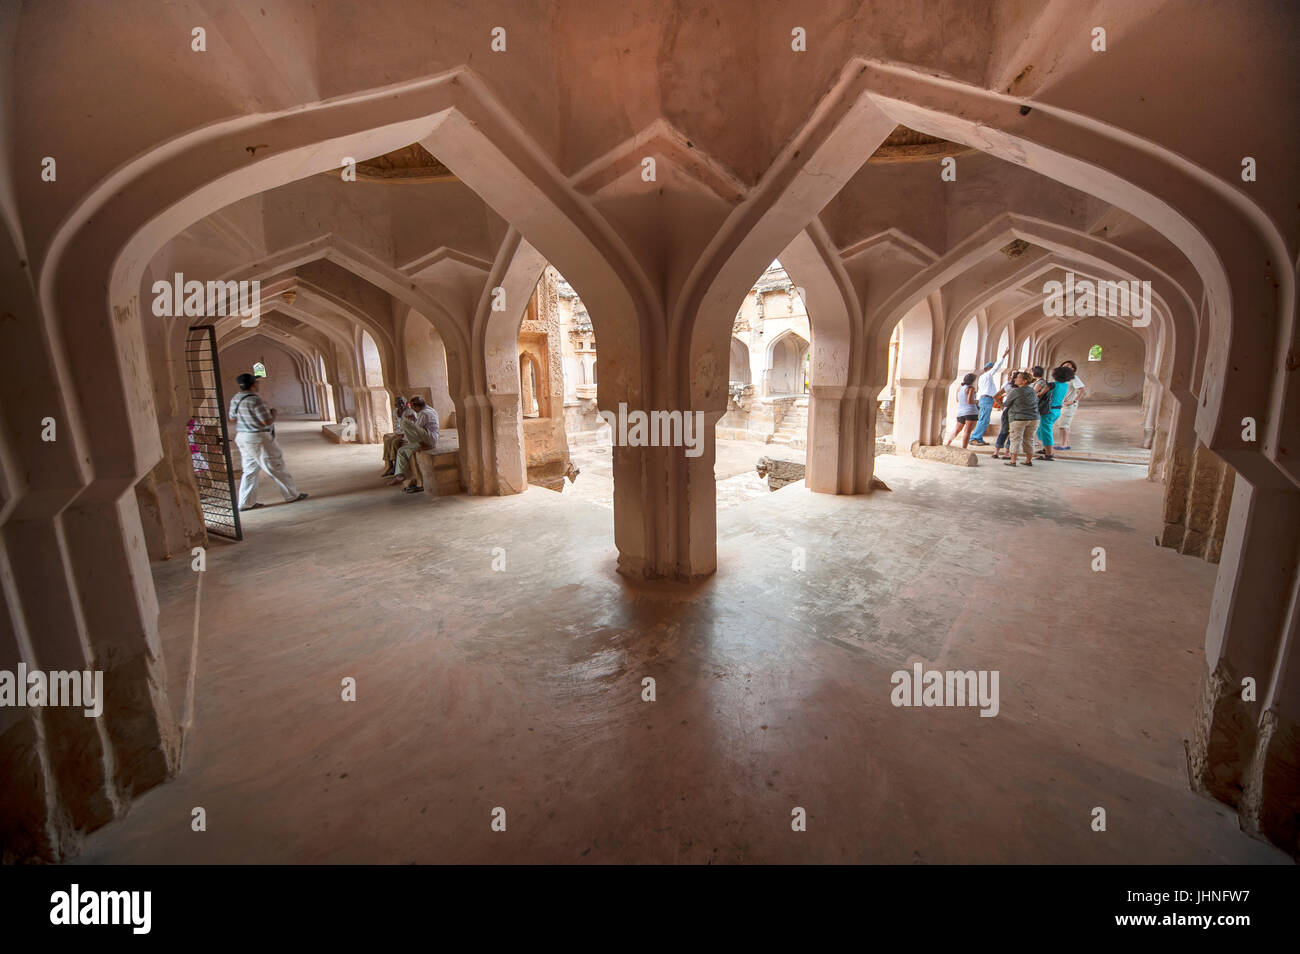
{"x":986,"y":387}
{"x":256,"y":441}
{"x":421,"y":433}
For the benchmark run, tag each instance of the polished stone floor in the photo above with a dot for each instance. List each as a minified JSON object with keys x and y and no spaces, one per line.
{"x":1110,"y":432}
{"x":522,"y":687}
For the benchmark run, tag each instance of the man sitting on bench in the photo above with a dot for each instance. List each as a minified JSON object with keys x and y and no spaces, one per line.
{"x":421,"y":433}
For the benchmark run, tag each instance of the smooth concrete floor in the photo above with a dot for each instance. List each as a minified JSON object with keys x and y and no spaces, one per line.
{"x":522,"y":688}
{"x":1110,"y":432}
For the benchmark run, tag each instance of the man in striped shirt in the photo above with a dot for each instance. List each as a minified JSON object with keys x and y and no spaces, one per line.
{"x":421,"y":433}
{"x":256,"y":440}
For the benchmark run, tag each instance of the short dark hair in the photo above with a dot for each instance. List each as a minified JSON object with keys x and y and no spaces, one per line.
{"x":417,"y":401}
{"x":1037,"y":370}
{"x":1062,"y":374}
{"x":245,"y":381}
{"x":1071,"y":363}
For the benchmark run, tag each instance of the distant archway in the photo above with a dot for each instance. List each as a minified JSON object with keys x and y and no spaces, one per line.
{"x":785,"y":365}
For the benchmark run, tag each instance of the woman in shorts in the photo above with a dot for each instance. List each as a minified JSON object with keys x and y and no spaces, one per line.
{"x":968,"y":411}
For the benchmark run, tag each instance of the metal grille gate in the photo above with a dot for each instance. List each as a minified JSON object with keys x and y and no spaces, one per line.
{"x":209,"y":440}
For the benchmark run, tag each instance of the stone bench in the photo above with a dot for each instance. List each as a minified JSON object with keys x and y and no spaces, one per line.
{"x":440,"y":467}
{"x":334,"y":432}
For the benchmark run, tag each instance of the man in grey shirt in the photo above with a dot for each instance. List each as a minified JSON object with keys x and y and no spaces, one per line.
{"x":256,"y":441}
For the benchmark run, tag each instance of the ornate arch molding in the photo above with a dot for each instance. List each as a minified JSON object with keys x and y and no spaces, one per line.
{"x":1064,"y":247}
{"x":108,"y":238}
{"x":1251,"y":302}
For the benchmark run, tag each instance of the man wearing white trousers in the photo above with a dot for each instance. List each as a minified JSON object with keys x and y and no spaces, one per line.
{"x":256,"y":440}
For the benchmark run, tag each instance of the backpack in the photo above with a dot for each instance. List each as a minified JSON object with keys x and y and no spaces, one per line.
{"x":1045,"y":400}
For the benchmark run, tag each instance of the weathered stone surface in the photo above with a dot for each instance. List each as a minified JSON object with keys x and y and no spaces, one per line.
{"x":1198,"y":491}
{"x":945,"y":455}
{"x":1223,"y":737}
{"x":779,"y":471}
{"x":1270,"y":804}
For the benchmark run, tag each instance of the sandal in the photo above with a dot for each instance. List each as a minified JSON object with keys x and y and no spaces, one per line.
{"x":413,"y":490}
{"x":256,"y":506}
{"x":1011,"y":463}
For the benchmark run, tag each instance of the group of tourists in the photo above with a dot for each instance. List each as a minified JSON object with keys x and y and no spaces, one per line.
{"x":1033,"y":404}
{"x":415,"y":426}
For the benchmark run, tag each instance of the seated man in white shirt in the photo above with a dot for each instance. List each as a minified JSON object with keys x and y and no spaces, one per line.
{"x":1070,"y":405}
{"x":421,"y":432}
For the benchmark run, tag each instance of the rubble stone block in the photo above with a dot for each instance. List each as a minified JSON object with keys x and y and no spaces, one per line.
{"x":945,"y":455}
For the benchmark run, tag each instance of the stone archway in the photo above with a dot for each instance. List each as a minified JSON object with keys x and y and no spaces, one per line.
{"x":784,"y":373}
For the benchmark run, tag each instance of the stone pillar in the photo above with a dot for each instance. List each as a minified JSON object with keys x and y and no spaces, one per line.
{"x":106,"y":550}
{"x":168,"y":497}
{"x":373,"y":415}
{"x":75,"y":582}
{"x":32,"y":822}
{"x":665,"y":507}
{"x":491,"y":444}
{"x":324,"y":400}
{"x":77,"y":749}
{"x":1270,"y":802}
{"x":911,"y":411}
{"x":1153,"y":397}
{"x":1197,"y":494}
{"x":841,"y":429}
{"x":1162,"y":444}
{"x":1244,"y":745}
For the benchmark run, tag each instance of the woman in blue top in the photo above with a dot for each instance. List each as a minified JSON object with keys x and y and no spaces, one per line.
{"x":1057,"y":387}
{"x":968,"y":411}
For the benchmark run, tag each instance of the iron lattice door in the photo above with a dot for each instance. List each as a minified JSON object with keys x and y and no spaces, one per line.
{"x":208,"y":435}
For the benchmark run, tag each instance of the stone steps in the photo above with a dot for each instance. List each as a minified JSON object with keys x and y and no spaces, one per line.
{"x":793,"y":429}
